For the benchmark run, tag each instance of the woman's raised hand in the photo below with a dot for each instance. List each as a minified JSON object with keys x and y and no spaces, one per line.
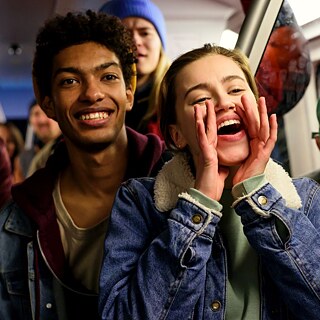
{"x":262,"y":135}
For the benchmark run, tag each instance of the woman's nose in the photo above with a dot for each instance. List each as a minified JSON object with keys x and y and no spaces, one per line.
{"x":224,"y":103}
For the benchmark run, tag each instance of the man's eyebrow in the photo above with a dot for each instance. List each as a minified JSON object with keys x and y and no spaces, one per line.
{"x":107,"y":65}
{"x":79,"y":71}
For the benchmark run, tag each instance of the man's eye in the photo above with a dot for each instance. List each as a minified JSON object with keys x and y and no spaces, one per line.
{"x":67,"y":82}
{"x":110,"y":77}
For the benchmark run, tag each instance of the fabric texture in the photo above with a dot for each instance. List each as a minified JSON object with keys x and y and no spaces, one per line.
{"x":138,"y":8}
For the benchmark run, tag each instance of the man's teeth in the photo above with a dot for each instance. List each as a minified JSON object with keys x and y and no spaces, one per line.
{"x":94,"y":116}
{"x":228,"y":123}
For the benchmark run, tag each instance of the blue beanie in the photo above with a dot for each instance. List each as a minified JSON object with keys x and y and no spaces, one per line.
{"x":138,"y":8}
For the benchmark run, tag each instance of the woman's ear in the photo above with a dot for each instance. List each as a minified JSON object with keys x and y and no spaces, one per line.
{"x":130,"y":98}
{"x":177,"y":136}
{"x":47,"y":106}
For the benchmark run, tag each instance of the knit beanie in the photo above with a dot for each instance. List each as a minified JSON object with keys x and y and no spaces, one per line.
{"x":138,"y":8}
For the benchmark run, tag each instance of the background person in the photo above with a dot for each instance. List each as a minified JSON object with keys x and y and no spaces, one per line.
{"x":147,"y":24}
{"x":5,"y":175}
{"x":315,"y":175}
{"x":45,"y":130}
{"x":14,"y":142}
{"x":222,"y":232}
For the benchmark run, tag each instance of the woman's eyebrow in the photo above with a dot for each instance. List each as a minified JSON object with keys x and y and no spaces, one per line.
{"x":232,"y":77}
{"x":208,"y":86}
{"x":202,"y":85}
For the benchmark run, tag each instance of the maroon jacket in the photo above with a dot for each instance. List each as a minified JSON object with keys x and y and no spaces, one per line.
{"x":34,"y":197}
{"x":5,"y":175}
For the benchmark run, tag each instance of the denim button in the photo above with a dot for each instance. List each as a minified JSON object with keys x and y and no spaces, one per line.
{"x":48,"y":305}
{"x":215,"y":305}
{"x":263,"y":200}
{"x":197,"y":218}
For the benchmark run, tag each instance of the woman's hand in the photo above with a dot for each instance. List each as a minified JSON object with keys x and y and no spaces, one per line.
{"x":210,"y":177}
{"x":262,"y":135}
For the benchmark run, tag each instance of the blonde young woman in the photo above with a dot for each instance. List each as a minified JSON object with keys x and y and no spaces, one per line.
{"x":147,"y":24}
{"x":222,"y":232}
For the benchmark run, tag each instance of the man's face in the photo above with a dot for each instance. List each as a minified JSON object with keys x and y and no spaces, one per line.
{"x":44,"y":128}
{"x":89,"y":98}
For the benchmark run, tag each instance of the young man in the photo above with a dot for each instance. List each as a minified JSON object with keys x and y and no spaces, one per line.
{"x":52,"y":233}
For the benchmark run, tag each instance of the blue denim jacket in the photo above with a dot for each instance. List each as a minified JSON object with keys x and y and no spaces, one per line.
{"x":172,"y":257}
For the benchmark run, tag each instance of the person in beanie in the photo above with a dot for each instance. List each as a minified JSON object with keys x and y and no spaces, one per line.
{"x":52,"y":233}
{"x":147,"y":24}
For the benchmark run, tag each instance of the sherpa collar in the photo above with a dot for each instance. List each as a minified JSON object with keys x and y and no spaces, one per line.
{"x":176,"y":177}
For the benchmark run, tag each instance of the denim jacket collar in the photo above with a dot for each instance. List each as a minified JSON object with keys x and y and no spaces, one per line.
{"x":176,"y":177}
{"x":19,"y":224}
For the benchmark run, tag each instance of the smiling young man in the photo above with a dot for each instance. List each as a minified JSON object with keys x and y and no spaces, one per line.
{"x":53,"y":231}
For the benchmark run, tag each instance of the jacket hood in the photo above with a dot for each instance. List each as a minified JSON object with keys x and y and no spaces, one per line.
{"x":176,"y":177}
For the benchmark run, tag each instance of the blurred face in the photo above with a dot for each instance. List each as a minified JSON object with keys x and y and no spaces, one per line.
{"x":89,"y":96}
{"x":8,"y":140}
{"x":44,"y":128}
{"x":219,"y":79}
{"x":148,"y":45}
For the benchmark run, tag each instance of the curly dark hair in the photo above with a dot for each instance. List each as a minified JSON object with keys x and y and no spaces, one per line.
{"x":63,"y":31}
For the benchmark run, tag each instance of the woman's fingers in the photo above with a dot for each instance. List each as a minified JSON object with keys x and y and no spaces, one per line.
{"x":264,"y":131}
{"x":211,"y":123}
{"x":200,"y":126}
{"x":250,"y":118}
{"x":273,"y":131}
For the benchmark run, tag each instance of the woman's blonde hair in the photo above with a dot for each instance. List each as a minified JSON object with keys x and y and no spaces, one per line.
{"x":158,"y":74}
{"x":167,"y":94}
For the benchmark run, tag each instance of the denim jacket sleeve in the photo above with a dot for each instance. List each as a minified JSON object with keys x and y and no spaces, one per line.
{"x":160,"y":258}
{"x":292,"y":262}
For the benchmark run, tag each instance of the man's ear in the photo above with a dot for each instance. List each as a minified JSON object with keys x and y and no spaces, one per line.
{"x":177,"y":136}
{"x":130,"y":98}
{"x":47,"y":106}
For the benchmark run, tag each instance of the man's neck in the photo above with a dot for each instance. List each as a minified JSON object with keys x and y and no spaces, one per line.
{"x":88,"y":185}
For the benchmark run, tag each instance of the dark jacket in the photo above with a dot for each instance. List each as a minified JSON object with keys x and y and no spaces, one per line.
{"x":134,"y":118}
{"x":30,"y":232}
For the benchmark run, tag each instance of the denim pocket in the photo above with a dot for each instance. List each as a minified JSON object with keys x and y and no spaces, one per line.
{"x":16,"y":304}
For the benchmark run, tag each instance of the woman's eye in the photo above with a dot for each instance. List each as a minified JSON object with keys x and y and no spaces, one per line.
{"x":236,"y":90}
{"x":201,"y":100}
